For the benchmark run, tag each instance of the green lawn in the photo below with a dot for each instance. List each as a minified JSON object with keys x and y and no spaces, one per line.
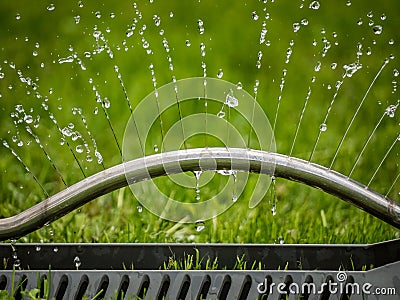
{"x":57,"y":73}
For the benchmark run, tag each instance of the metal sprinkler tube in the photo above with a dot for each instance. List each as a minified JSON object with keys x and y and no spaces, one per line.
{"x":246,"y":160}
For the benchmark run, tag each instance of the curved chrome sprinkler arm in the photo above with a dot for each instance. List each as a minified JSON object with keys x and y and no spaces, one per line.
{"x":156,"y":165}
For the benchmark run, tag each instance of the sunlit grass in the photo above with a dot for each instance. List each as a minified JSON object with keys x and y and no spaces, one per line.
{"x":304,"y":215}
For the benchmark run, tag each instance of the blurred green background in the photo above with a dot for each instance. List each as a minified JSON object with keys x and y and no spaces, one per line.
{"x":58,"y":74}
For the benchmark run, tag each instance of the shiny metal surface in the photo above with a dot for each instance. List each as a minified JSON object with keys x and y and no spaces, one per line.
{"x":246,"y":160}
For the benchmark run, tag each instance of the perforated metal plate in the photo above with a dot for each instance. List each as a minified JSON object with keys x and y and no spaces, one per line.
{"x":150,"y":282}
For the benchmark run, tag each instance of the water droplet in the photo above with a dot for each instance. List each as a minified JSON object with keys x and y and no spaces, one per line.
{"x":155,"y":148}
{"x":187,"y":42}
{"x":17,"y":16}
{"x":199,"y":225}
{"x":38,"y":248}
{"x":80,"y":4}
{"x":220,"y":73}
{"x":77,"y":19}
{"x":314,"y":5}
{"x":317,"y":66}
{"x":230,"y":100}
{"x":106,"y":103}
{"x":202,"y":49}
{"x":200,"y":25}
{"x":157,"y":20}
{"x":359,"y":22}
{"x":112,"y":15}
{"x":17,"y":263}
{"x":254,"y":16}
{"x":348,"y":3}
{"x":55,"y":249}
{"x":66,"y":59}
{"x":77,"y":262}
{"x":352,"y":68}
{"x":51,"y":7}
{"x":333,"y":66}
{"x":221,"y":114}
{"x":273,"y":209}
{"x":234,"y":197}
{"x":304,"y":22}
{"x":197,"y":175}
{"x":383,"y":17}
{"x":296,"y":27}
{"x":323,"y":127}
{"x":139,"y":208}
{"x":391,"y":42}
{"x":281,"y":240}
{"x":390,"y":110}
{"x":239,"y":85}
{"x":171,"y":14}
{"x":97,"y":14}
{"x":79,"y":148}
{"x":395,"y":73}
{"x":377,"y":29}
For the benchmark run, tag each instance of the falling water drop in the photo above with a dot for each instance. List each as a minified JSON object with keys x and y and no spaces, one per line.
{"x":221,"y":114}
{"x":157,"y":20}
{"x":352,"y":68}
{"x":390,"y":110}
{"x":230,"y":100}
{"x":17,"y":263}
{"x":377,"y":29}
{"x":273,"y":209}
{"x":51,"y":7}
{"x":200,"y":25}
{"x":317,"y":67}
{"x":314,"y":5}
{"x":199,"y":225}
{"x":197,"y":175}
{"x":77,"y":262}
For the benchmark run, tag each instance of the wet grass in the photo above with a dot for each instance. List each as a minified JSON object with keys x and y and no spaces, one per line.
{"x":304,"y":215}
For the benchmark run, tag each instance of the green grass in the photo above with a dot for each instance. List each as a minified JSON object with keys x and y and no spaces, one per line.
{"x":304,"y":214}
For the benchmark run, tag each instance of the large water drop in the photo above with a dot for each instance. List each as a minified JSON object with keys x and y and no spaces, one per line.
{"x":314,"y":5}
{"x":377,"y":29}
{"x":199,"y":225}
{"x":51,"y":7}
